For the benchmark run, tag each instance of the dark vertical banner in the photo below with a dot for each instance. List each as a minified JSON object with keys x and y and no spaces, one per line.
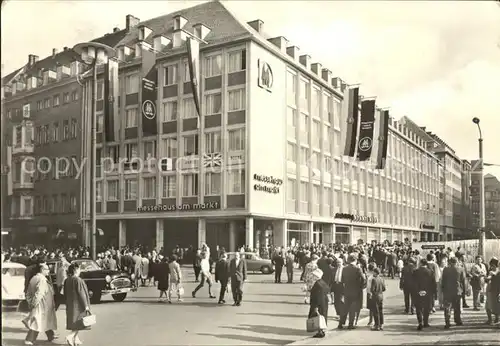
{"x":193,"y":50}
{"x":352,"y":121}
{"x":149,"y":94}
{"x":365,"y":141}
{"x":383,"y":139}
{"x":111,"y":120}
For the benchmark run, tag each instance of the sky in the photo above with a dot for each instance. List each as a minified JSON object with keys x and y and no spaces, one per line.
{"x":436,"y":62}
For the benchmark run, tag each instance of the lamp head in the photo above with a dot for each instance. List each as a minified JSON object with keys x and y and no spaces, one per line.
{"x":91,"y":52}
{"x":475,"y":120}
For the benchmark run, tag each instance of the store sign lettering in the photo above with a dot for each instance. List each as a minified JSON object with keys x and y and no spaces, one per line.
{"x":424,"y":225}
{"x":267,"y":183}
{"x":180,"y":207}
{"x":356,"y":218}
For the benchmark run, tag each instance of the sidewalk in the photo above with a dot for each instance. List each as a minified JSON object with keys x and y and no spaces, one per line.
{"x":401,"y":329}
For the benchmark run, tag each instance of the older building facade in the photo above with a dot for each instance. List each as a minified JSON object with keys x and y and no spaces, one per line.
{"x":264,"y":165}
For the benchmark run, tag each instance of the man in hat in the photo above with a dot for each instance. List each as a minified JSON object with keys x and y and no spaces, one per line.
{"x":353,"y":281}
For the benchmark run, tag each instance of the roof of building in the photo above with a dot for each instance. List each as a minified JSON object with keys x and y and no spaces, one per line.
{"x":223,"y":25}
{"x":8,"y":78}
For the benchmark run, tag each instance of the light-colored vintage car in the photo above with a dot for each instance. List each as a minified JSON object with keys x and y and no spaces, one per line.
{"x":12,"y":283}
{"x":255,"y":263}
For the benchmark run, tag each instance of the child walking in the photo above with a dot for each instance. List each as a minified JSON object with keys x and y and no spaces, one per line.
{"x":377,"y":289}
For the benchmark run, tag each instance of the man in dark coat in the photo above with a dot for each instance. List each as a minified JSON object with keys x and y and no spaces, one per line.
{"x":423,"y":292}
{"x":324,"y":263}
{"x":306,"y":258}
{"x":392,"y":262}
{"x":238,"y":271}
{"x":406,"y":284}
{"x":278,"y":262}
{"x":222,"y":273}
{"x":354,"y":282}
{"x":337,"y":287}
{"x":453,"y":284}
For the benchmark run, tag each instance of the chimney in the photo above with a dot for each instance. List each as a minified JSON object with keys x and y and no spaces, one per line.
{"x":116,"y":29}
{"x":131,"y":21}
{"x":343,"y":86}
{"x":201,"y":31}
{"x":144,"y":32}
{"x":337,"y":82}
{"x":305,"y":60}
{"x":316,"y":68}
{"x":65,"y":48}
{"x":179,"y":22}
{"x":256,"y":25}
{"x":293,"y":51}
{"x":32,"y":60}
{"x":326,"y":74}
{"x":279,"y":42}
{"x":54,"y":52}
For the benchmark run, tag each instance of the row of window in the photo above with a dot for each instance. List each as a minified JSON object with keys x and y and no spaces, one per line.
{"x":55,"y":101}
{"x":190,"y":146}
{"x":55,"y":204}
{"x":53,"y":133}
{"x":169,"y":186}
{"x":57,"y":168}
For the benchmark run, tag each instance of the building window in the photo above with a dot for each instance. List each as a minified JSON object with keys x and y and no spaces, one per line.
{"x":18,"y":136}
{"x":304,"y":191}
{"x":100,"y":90}
{"x":213,"y":66}
{"x":99,"y":123}
{"x":130,"y":189}
{"x":74,"y":128}
{"x":39,"y":106}
{"x":66,"y":98}
{"x":291,"y":152}
{"x":149,"y":150}
{"x":304,"y":122}
{"x":190,"y":145}
{"x":291,"y":87}
{"x":132,"y":84}
{"x":170,"y":75}
{"x":304,"y":156}
{"x":237,"y":61}
{"x":65,"y":130}
{"x":98,"y":191}
{"x":189,"y":109}
{"x":316,"y":194}
{"x":316,"y":133}
{"x":213,"y":143}
{"x":149,"y":191}
{"x":328,"y":164}
{"x":291,"y":191}
{"x":291,"y":117}
{"x":326,"y":106}
{"x":112,"y":190}
{"x":131,"y":150}
{"x":236,"y":100}
{"x":190,"y":185}
{"x":46,"y":103}
{"x":170,"y":111}
{"x":170,"y":147}
{"x":74,"y":95}
{"x":56,"y":100}
{"x":212,"y":184}
{"x":169,"y":186}
{"x":304,"y":95}
{"x":131,"y":118}
{"x":55,"y":131}
{"x":64,"y":203}
{"x":236,"y":182}
{"x":113,"y":152}
{"x":236,"y":139}
{"x":213,"y":103}
{"x":315,"y":160}
{"x":53,"y":207}
{"x":315,"y":102}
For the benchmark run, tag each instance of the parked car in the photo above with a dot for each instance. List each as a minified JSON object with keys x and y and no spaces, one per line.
{"x":255,"y":263}
{"x":12,"y":283}
{"x":99,"y":281}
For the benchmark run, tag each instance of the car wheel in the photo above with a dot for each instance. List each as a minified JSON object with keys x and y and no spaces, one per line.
{"x":120,"y":297}
{"x":265,"y":270}
{"x":95,"y":297}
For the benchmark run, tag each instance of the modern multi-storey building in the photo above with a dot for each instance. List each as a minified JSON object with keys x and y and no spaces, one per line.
{"x":264,"y":165}
{"x":492,"y":204}
{"x":41,"y":109}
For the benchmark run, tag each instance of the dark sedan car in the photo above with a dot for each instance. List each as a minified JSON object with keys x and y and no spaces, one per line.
{"x":99,"y":281}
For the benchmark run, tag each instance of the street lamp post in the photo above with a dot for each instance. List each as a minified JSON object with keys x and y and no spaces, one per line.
{"x":482,"y":234}
{"x":93,"y":54}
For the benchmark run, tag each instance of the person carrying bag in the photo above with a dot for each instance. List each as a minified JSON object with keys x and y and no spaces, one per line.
{"x":318,"y":305}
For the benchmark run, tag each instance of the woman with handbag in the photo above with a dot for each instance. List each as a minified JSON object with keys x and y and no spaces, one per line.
{"x":318,"y":306}
{"x":77,"y":305}
{"x":162,"y":275}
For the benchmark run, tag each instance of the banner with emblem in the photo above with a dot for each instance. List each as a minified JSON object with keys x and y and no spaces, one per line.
{"x":213,"y":160}
{"x":383,"y":139}
{"x":365,"y":141}
{"x":351,"y":114}
{"x":149,"y":92}
{"x":111,"y":113}
{"x":193,"y":50}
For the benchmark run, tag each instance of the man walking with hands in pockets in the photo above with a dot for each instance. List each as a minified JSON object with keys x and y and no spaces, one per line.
{"x":238,"y":271}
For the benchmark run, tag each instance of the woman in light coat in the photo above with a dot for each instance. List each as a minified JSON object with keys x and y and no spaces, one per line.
{"x":77,"y":304}
{"x":310,"y":279}
{"x":175,"y":279}
{"x":40,"y":299}
{"x":144,"y":270}
{"x":442,"y":265}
